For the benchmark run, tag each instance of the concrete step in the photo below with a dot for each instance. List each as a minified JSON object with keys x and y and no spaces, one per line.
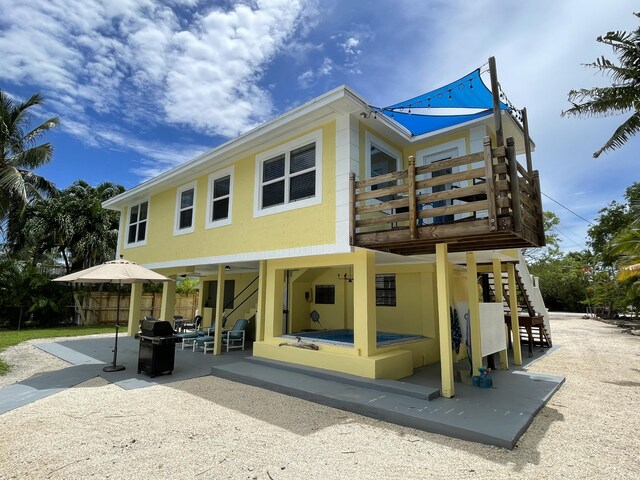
{"x":388,"y":386}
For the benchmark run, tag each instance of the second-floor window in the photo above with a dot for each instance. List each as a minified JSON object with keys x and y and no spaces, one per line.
{"x":220,"y":198}
{"x":289,"y":176}
{"x":185,"y":209}
{"x":137,"y":225}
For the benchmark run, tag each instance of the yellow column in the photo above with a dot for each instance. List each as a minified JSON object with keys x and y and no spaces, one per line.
{"x":444,"y":321}
{"x":201,"y":297}
{"x":217,"y":341}
{"x":515,"y":321}
{"x":497,"y":285}
{"x":135,"y":304}
{"x":273,"y":303}
{"x":364,"y":308}
{"x":474,"y":312}
{"x":168,"y":307}
{"x":262,"y":284}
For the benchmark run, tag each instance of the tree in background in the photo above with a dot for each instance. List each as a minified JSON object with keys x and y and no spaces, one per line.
{"x":19,"y":156}
{"x":70,"y":228}
{"x":72,"y":225}
{"x":552,"y":247}
{"x":623,"y":96}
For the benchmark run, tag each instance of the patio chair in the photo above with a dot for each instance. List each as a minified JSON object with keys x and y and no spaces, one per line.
{"x":234,"y":338}
{"x":195,"y":325}
{"x":212,"y":329}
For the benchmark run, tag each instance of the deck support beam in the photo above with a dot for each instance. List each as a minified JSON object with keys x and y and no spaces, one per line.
{"x":364,"y":308}
{"x":515,"y":321}
{"x":217,"y":341}
{"x":168,"y":306}
{"x":497,"y":286}
{"x":135,"y":304}
{"x":444,"y":321}
{"x":474,"y":312}
{"x":262,"y":290}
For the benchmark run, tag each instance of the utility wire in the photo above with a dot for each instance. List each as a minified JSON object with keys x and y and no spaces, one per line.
{"x":566,"y":208}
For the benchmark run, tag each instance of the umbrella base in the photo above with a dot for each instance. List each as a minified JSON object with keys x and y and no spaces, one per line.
{"x":113,"y":368}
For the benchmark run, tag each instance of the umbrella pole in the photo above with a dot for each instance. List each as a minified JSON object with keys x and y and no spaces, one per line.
{"x":114,"y":367}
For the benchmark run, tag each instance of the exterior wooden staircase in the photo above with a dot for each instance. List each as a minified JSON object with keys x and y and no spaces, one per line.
{"x":533,"y":316}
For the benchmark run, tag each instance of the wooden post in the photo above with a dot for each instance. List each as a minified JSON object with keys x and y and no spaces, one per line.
{"x":515,"y":321}
{"x":474,"y":312}
{"x":515,"y":187}
{"x":527,"y":141}
{"x":444,"y":321}
{"x":352,"y":208}
{"x":495,"y":93}
{"x":413,"y":210}
{"x":535,"y":179}
{"x":491,"y":188}
{"x":497,"y":285}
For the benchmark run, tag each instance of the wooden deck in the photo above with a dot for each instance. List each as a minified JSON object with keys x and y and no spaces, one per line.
{"x":482,"y":201}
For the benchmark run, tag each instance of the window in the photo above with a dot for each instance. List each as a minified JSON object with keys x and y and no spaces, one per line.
{"x":325,"y":294}
{"x":137,"y":228}
{"x":386,"y":290}
{"x":219,"y":198}
{"x":289,"y":176}
{"x":185,"y":209}
{"x":380,"y":160}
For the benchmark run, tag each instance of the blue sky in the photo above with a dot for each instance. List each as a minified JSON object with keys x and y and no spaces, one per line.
{"x":142,"y":86}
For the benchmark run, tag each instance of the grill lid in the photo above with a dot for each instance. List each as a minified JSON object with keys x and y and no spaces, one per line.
{"x":156,"y":328}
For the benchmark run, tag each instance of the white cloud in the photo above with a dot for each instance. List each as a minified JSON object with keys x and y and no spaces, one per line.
{"x":309,"y":77}
{"x":138,"y":60}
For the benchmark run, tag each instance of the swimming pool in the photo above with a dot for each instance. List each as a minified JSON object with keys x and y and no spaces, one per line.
{"x":345,"y":337}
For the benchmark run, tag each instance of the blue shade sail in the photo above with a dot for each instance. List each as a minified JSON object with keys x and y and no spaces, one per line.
{"x":420,"y":114}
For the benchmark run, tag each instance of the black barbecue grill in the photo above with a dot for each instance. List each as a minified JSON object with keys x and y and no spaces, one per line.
{"x":157,"y":347}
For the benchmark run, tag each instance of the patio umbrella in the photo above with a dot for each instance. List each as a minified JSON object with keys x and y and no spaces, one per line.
{"x":119,"y":272}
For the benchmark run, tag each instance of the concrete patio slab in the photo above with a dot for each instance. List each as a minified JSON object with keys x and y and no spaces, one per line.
{"x":494,"y":416}
{"x":88,"y":356}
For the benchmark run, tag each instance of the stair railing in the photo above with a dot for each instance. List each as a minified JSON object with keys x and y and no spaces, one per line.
{"x":533,"y":290}
{"x":226,"y":315}
{"x":231,"y":302}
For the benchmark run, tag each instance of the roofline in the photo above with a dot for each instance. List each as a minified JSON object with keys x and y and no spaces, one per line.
{"x":323,"y":100}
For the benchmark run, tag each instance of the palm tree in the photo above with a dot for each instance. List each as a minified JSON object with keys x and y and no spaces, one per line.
{"x":19,"y":155}
{"x":622,"y":96}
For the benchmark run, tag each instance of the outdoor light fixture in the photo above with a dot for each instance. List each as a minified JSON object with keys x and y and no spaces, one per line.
{"x":346,"y":277}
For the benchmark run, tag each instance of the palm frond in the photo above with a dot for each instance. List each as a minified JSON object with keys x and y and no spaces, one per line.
{"x":602,"y":101}
{"x":621,"y":135}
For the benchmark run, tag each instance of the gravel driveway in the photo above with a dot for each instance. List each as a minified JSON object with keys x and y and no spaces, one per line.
{"x":209,"y":428}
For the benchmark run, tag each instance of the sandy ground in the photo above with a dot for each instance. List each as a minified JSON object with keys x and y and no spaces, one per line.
{"x":210,"y":428}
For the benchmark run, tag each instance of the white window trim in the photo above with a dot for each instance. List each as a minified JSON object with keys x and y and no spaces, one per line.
{"x":212,"y":178}
{"x":176,"y":225}
{"x":127,"y":225}
{"x":443,"y":150}
{"x":313,"y":137}
{"x":369,"y":139}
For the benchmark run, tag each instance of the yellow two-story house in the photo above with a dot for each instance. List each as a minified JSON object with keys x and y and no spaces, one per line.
{"x":337,"y":229}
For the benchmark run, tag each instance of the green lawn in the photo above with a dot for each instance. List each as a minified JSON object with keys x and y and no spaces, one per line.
{"x":9,"y":338}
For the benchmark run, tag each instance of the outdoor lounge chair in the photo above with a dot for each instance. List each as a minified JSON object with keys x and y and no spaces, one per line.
{"x":234,"y":338}
{"x":206,"y":342}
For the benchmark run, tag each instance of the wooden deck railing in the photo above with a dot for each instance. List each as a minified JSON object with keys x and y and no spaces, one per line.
{"x":479,"y":201}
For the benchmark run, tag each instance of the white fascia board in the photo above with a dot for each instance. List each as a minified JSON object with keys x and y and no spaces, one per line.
{"x":330,"y":99}
{"x":447,"y":130}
